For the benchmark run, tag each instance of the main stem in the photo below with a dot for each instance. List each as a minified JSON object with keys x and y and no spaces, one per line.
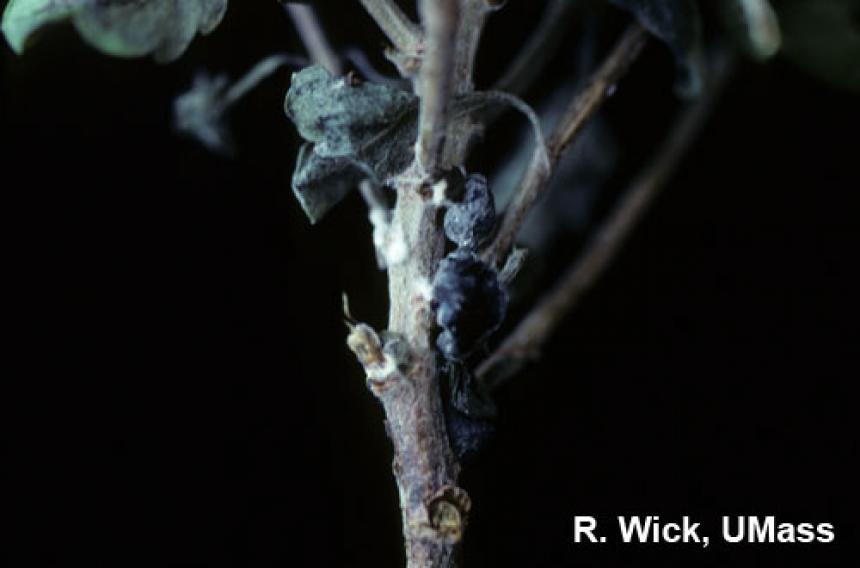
{"x":401,"y":366}
{"x":433,"y":510}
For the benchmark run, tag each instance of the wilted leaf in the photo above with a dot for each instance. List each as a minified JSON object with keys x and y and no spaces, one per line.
{"x":339,"y":116}
{"x":678,"y":24}
{"x":163,"y":28}
{"x":358,"y":130}
{"x":469,"y":413}
{"x":823,"y":38}
{"x":320,"y":183}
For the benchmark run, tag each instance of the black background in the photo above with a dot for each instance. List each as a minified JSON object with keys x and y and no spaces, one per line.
{"x":184,"y":396}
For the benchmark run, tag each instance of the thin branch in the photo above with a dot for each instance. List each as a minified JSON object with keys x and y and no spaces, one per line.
{"x":259,"y":73}
{"x":362,"y":64}
{"x":526,"y":340}
{"x":536,"y":53}
{"x":473,"y":15}
{"x":397,"y":27}
{"x":582,"y":108}
{"x":436,"y":84}
{"x":314,"y":37}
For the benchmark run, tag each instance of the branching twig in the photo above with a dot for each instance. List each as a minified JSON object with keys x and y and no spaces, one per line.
{"x":531,"y":333}
{"x":314,"y":38}
{"x":440,"y":19}
{"x":397,"y":27}
{"x":583,"y":107}
{"x":258,"y":73}
{"x":358,"y":58}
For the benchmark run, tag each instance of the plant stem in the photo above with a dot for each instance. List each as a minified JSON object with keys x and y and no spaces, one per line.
{"x":402,"y":374}
{"x":314,"y":37}
{"x":473,"y":15}
{"x":402,"y":371}
{"x":526,"y":340}
{"x":436,"y":82}
{"x":583,"y":107}
{"x":259,"y":72}
{"x":424,"y":464}
{"x":403,"y":33}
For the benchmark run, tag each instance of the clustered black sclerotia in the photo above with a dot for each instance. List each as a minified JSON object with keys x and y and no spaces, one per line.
{"x":470,"y":303}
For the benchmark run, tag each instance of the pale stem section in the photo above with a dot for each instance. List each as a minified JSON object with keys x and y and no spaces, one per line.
{"x":436,"y":81}
{"x":403,"y":372}
{"x":473,"y":16}
{"x":424,"y":463}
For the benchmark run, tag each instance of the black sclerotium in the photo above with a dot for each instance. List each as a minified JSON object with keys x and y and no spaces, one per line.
{"x":470,"y":222}
{"x":470,"y":303}
{"x":469,"y":412}
{"x":467,"y":435}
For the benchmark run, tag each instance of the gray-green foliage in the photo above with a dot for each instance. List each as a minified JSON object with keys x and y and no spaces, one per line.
{"x":162,"y":28}
{"x":354,"y":130}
